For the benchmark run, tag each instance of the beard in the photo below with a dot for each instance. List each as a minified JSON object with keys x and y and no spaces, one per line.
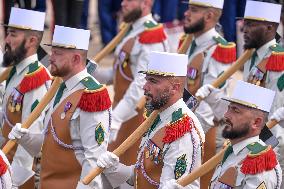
{"x":229,"y":132}
{"x":132,"y":16}
{"x":196,"y":27}
{"x":55,"y":71}
{"x":157,"y":103}
{"x":12,"y":58}
{"x":255,"y":41}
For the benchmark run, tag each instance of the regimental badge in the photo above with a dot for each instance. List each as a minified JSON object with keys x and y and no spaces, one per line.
{"x":280,"y":83}
{"x":262,"y":186}
{"x":180,"y":167}
{"x":100,"y":134}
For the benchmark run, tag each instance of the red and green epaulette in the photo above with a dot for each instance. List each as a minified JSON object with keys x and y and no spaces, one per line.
{"x":181,"y":40}
{"x":225,"y":52}
{"x":260,"y":158}
{"x":154,"y":33}
{"x":95,"y":97}
{"x":36,"y":77}
{"x":3,"y":166}
{"x":276,"y":59}
{"x":178,"y":127}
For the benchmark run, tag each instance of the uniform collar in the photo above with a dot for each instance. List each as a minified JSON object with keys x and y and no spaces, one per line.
{"x":141,"y":21}
{"x":262,"y":51}
{"x":73,"y":81}
{"x":165,"y":114}
{"x":241,"y":145}
{"x":26,"y":62}
{"x":207,"y":36}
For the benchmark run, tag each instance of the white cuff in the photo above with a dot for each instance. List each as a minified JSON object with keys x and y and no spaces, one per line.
{"x":120,"y":175}
{"x":32,"y":143}
{"x":20,"y":175}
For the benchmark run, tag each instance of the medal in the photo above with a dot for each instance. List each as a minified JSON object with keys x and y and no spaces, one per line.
{"x":62,"y":115}
{"x":67,"y":107}
{"x":18,"y":107}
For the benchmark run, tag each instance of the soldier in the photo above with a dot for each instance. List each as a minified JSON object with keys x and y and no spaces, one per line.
{"x":209,"y":55}
{"x":27,"y":83}
{"x":265,"y":67}
{"x":131,"y":56}
{"x":248,"y":162}
{"x":172,"y":145}
{"x":78,"y":119}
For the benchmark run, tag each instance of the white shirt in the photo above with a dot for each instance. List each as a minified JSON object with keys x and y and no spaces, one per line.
{"x":82,"y":131}
{"x":183,"y":145}
{"x":211,"y":69}
{"x":246,"y":181}
{"x":22,"y":158}
{"x":139,"y":61}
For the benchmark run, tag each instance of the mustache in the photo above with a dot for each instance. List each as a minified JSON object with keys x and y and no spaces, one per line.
{"x":148,"y":94}
{"x":8,"y":47}
{"x":226,"y":121}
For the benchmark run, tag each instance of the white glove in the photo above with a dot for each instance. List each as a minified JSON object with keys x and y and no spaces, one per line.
{"x":278,"y":115}
{"x":17,"y":132}
{"x":108,"y":160}
{"x":172,"y":184}
{"x":80,"y":185}
{"x":204,"y":91}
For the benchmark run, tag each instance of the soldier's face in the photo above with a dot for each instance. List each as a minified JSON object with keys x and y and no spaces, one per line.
{"x":237,"y":122}
{"x":60,"y":62}
{"x":254,"y":34}
{"x":194,"y":19}
{"x":157,"y":92}
{"x":15,"y":50}
{"x":131,"y":10}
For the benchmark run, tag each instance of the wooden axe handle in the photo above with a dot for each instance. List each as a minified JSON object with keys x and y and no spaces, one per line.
{"x":136,"y":135}
{"x":36,"y":112}
{"x":111,"y":45}
{"x":210,"y":164}
{"x":185,"y":44}
{"x":4,"y":75}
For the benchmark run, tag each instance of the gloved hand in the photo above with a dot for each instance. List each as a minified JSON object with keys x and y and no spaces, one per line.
{"x":17,"y":132}
{"x":278,"y":115}
{"x":172,"y":184}
{"x":108,"y":161}
{"x":204,"y":91}
{"x":80,"y":185}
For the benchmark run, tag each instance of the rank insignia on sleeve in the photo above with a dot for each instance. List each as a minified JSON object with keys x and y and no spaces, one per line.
{"x":180,"y":167}
{"x":261,"y":186}
{"x":100,"y":134}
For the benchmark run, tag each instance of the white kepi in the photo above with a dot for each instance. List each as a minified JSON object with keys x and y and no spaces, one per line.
{"x":71,"y":38}
{"x":208,"y":3}
{"x":26,"y":19}
{"x":252,"y":96}
{"x":263,"y":11}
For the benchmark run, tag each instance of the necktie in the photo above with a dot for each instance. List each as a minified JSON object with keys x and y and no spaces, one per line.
{"x":253,"y":58}
{"x":227,"y":153}
{"x":12,"y":72}
{"x":192,"y":48}
{"x":59,"y":93}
